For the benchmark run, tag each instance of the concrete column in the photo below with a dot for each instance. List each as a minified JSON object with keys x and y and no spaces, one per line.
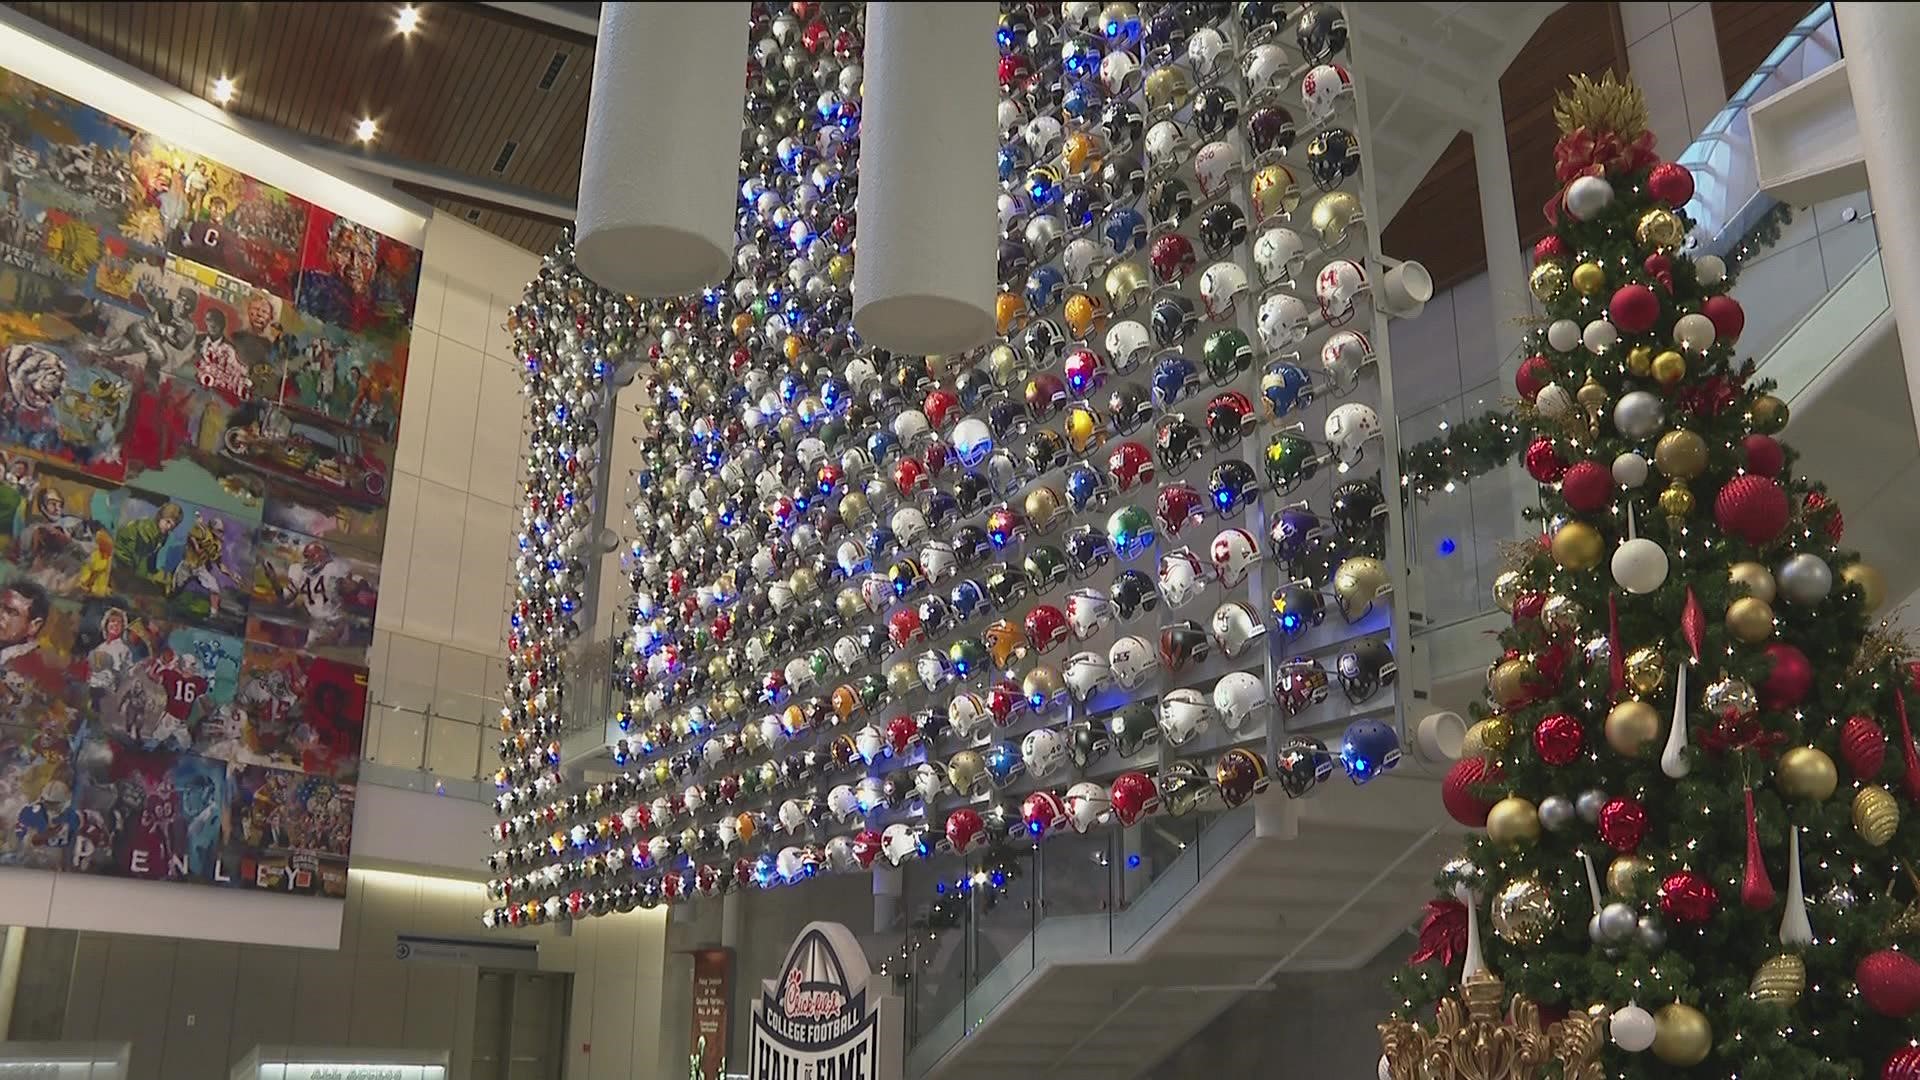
{"x":11,"y":953}
{"x":1881,"y":41}
{"x":1506,"y":270}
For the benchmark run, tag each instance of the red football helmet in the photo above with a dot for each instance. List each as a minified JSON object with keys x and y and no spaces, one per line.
{"x":1085,"y":371}
{"x":1134,"y":796}
{"x":1178,"y":506}
{"x":966,"y":830}
{"x":1131,"y":464}
{"x":1046,"y":627}
{"x":1005,"y":701}
{"x":909,"y":475}
{"x":1044,"y":812}
{"x":866,"y":847}
{"x":1172,"y":259}
{"x":904,"y":628}
{"x":902,"y":733}
{"x":942,"y":408}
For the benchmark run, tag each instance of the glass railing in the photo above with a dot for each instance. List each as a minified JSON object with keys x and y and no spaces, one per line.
{"x":1788,"y":262}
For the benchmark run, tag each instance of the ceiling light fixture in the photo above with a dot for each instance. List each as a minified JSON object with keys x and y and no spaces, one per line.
{"x":407,"y":18}
{"x":366,"y":129}
{"x":223,"y":90}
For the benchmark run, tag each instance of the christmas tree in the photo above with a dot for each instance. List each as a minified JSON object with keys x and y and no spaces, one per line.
{"x":1691,"y":779}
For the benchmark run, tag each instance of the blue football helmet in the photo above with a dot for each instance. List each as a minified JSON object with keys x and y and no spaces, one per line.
{"x":1086,"y":487}
{"x":967,"y":600}
{"x":1126,"y":230}
{"x":1285,"y":387}
{"x":1174,"y":379}
{"x":1044,"y":286}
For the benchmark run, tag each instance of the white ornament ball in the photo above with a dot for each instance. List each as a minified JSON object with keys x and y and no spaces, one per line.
{"x":1711,"y":270}
{"x":1599,"y":336}
{"x":1693,"y":332}
{"x":1638,"y":415}
{"x":1563,"y":334}
{"x":1554,"y":402}
{"x":1804,"y":579}
{"x":1629,"y":470}
{"x":1587,"y":196}
{"x":1631,"y":1028}
{"x":1640,"y":566}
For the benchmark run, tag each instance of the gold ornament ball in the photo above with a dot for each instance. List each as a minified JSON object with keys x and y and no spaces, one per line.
{"x":1577,"y":546}
{"x":1872,"y":586}
{"x":1511,"y":682}
{"x":1806,"y":773}
{"x":1487,"y":737}
{"x":1646,"y":669}
{"x":1669,"y":367}
{"x":1681,"y":1035}
{"x":1507,"y":588}
{"x":1767,"y":414}
{"x":1757,"y":578}
{"x":1750,"y":619}
{"x":1659,"y":229}
{"x":1589,"y":279}
{"x":1523,"y":911}
{"x":1779,"y":981}
{"x":1640,"y":360}
{"x":1626,"y":872}
{"x":1680,"y":454}
{"x":1676,"y":500}
{"x":1592,"y":396}
{"x":1513,"y":822}
{"x":1548,"y":281}
{"x":1562,"y":613}
{"x":1632,"y":727}
{"x":1876,"y":814}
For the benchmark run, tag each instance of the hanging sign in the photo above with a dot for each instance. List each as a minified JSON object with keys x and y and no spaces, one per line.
{"x":825,"y":1017}
{"x":712,"y":1011}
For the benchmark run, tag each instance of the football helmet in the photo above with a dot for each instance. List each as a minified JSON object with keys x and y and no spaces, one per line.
{"x":1178,"y":505}
{"x":966,"y":657}
{"x":1236,"y":697}
{"x":1185,"y":788}
{"x":1215,"y":166}
{"x":1342,"y":357}
{"x":1358,"y":511}
{"x":932,"y":668}
{"x":1172,"y":258}
{"x":1131,"y":660}
{"x":1234,"y":627}
{"x":1130,"y":531}
{"x":1272,"y":192}
{"x":1332,"y":155}
{"x":972,"y":441}
{"x":1293,"y":532}
{"x":1270,"y":131}
{"x":1006,"y":584}
{"x":1087,"y":806}
{"x":968,"y":599}
{"x":1087,"y":673}
{"x":1044,"y":752}
{"x":899,"y":843}
{"x":1174,"y":380}
{"x":1298,"y":607}
{"x":965,"y":830}
{"x":1279,"y":256}
{"x":1083,"y":314}
{"x":1290,"y":461}
{"x":1169,"y":203}
{"x":1131,"y":466}
{"x":1229,"y":418}
{"x":1087,"y":551}
{"x":1088,"y":612}
{"x":1232,"y":486}
{"x":1334,"y":214}
{"x":1182,"y":645}
{"x":1082,"y":257}
{"x":1182,"y":577}
{"x":1168,"y":146}
{"x":1004,"y":526}
{"x":1046,"y":628}
{"x":1365,"y":670}
{"x":1084,"y":371}
{"x":1349,"y":428}
{"x":1133,"y":797}
{"x":1127,"y":345}
{"x":1367,"y":749}
{"x":1221,"y":284}
{"x":1285,"y":387}
{"x":1133,"y":592}
{"x":1126,"y":230}
{"x":1240,"y":774}
{"x":1005,"y":643}
{"x":968,"y":715}
{"x":1300,"y":684}
{"x":939,"y":560}
{"x":1215,"y":112}
{"x":1266,"y":69}
{"x":1282,"y":322}
{"x":1086,"y":487}
{"x":1177,"y":443}
{"x":1133,"y":727}
{"x":1045,"y":567}
{"x":1043,"y":812}
{"x":1321,"y":33}
{"x":1337,"y":289}
{"x":1183,"y":714}
{"x":1360,"y":580}
{"x":1125,"y":284}
{"x":1045,"y":507}
{"x":967,"y":773}
{"x":1168,"y":89}
{"x":1234,"y":553}
{"x":1128,"y":407}
{"x":1174,"y":318}
{"x":1322,"y":89}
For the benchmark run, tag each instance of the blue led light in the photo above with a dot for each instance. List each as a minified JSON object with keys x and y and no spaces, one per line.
{"x":1446,"y":546}
{"x":1133,"y":862}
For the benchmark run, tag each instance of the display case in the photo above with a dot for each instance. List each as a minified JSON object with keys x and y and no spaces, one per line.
{"x":64,"y":1061}
{"x":339,"y":1063}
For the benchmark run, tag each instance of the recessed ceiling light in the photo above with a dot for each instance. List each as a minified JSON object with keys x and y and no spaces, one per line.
{"x":366,"y":129}
{"x":407,"y":18}
{"x":223,"y":90}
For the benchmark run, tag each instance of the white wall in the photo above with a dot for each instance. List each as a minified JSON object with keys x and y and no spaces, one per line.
{"x":1675,"y":57}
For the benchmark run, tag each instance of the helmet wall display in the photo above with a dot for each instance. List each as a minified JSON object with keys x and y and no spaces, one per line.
{"x":896,"y":606}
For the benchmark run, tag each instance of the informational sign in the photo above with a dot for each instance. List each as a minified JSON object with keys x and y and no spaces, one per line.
{"x":824,"y":1017}
{"x":712,"y":1013}
{"x":467,"y":952}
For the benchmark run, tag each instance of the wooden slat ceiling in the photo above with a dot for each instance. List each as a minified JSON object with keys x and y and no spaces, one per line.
{"x":449,"y":95}
{"x":1747,"y":32}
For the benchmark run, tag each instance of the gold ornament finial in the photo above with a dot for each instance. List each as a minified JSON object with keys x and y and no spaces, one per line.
{"x":1472,"y":1040}
{"x":1601,"y":106}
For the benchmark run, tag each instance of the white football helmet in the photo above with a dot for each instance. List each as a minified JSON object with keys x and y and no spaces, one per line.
{"x":799,"y":674}
{"x":899,"y":843}
{"x":1011,"y":211}
{"x":848,"y":654}
{"x":1183,"y":714}
{"x":871,"y":794}
{"x":909,"y":526}
{"x":1167,"y":146}
{"x":1131,"y":659}
{"x":1081,"y":259}
{"x":842,"y":804}
{"x":1220,"y":285}
{"x":1043,"y":136}
{"x":1214,"y":168}
{"x":1322,"y":90}
{"x":1087,"y":806}
{"x":1044,"y":752}
{"x":1266,"y":68}
{"x":1283,"y":322}
{"x":932,"y":669}
{"x":840,"y":856}
{"x":972,"y":441}
{"x":1342,"y":357}
{"x":773,"y":734}
{"x":1182,"y":578}
{"x":929,"y":781}
{"x":968,"y":715}
{"x":1233,"y":627}
{"x":1127,"y":345}
{"x":1234,"y":552}
{"x":1208,"y":51}
{"x":1118,"y":72}
{"x":1349,"y":428}
{"x":869,"y":743}
{"x":1337,"y":288}
{"x":792,"y":816}
{"x":939,"y":560}
{"x":912,"y":429}
{"x":1086,"y":673}
{"x":1088,"y":612}
{"x":1236,"y":697}
{"x":1043,"y":234}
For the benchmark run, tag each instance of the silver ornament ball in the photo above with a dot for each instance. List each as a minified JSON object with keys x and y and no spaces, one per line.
{"x":1804,"y":578}
{"x":1589,"y":803}
{"x":1638,"y":415}
{"x":1615,"y":923}
{"x":1556,"y":812}
{"x":1650,"y":933}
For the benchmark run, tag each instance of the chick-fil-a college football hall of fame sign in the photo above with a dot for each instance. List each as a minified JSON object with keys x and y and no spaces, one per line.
{"x":825,"y":1017}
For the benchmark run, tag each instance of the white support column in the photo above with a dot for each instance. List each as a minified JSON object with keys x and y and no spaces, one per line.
{"x":1506,"y":271}
{"x":11,"y":954}
{"x":1881,"y":41}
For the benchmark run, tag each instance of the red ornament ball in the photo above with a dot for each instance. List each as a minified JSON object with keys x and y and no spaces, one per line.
{"x":1671,"y":183}
{"x":1623,"y":824}
{"x":1788,"y":680}
{"x":1558,"y":739}
{"x":1543,"y":461}
{"x":1535,"y":372}
{"x":1753,"y":508}
{"x":1727,"y":316}
{"x":1634,"y":309}
{"x":1820,"y":506}
{"x":1456,"y":792}
{"x":1527,"y":606}
{"x":1903,"y":1065}
{"x":1587,"y":486}
{"x":1688,"y":898}
{"x":1549,"y":247}
{"x":1764,"y":455}
{"x":1863,"y":746}
{"x":1889,"y":983}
